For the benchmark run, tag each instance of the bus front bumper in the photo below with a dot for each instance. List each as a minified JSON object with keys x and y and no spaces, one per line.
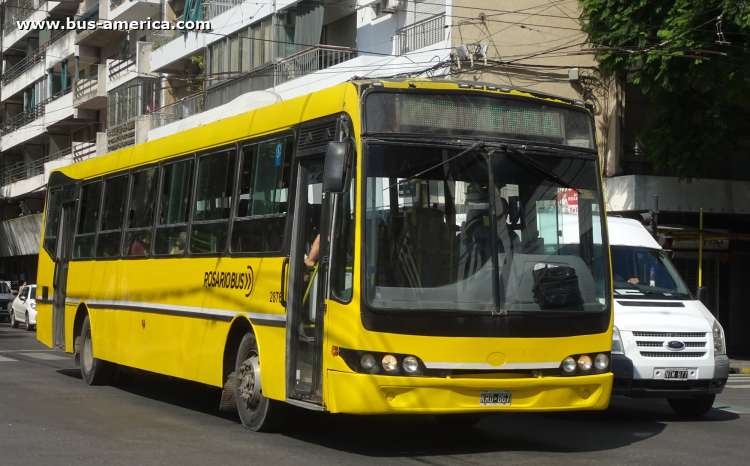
{"x":372,"y":394}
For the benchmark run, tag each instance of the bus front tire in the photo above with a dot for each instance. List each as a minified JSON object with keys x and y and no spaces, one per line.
{"x":695,"y":406}
{"x":94,"y":371}
{"x":257,"y":413}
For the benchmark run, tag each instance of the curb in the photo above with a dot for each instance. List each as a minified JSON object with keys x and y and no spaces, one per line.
{"x":739,"y":370}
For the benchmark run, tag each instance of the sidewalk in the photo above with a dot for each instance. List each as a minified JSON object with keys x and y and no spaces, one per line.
{"x":739,"y":364}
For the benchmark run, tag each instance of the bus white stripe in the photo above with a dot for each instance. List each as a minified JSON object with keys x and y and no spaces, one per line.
{"x":186,"y":309}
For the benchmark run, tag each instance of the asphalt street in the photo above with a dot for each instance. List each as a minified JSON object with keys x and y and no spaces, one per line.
{"x":49,"y":416}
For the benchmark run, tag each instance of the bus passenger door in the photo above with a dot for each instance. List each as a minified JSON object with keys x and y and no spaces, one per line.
{"x":304,"y":313}
{"x":59,"y":285}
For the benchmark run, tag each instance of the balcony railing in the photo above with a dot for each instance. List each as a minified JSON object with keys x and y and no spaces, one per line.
{"x":300,"y":64}
{"x":23,"y":11}
{"x":121,"y":66}
{"x":29,"y":115}
{"x":162,"y":37}
{"x":84,"y":150}
{"x":121,"y":136}
{"x":25,"y":170}
{"x":419,"y":35}
{"x":178,"y":110}
{"x":84,"y":85}
{"x":311,"y":60}
{"x":214,"y":8}
{"x":22,"y":66}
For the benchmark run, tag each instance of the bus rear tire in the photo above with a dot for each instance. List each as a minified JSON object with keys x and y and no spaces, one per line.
{"x":695,"y":406}
{"x":94,"y":371}
{"x":257,"y":413}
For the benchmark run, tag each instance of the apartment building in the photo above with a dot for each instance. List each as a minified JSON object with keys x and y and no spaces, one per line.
{"x":538,"y":45}
{"x":68,"y":95}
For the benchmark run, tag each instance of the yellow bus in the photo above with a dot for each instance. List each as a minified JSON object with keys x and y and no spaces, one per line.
{"x":381,"y":246}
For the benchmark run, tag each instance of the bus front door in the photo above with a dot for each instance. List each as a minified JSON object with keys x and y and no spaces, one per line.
{"x":59,"y":285}
{"x":306,"y":278}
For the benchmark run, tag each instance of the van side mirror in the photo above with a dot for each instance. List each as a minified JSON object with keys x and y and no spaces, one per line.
{"x":337,"y":172}
{"x":669,"y":253}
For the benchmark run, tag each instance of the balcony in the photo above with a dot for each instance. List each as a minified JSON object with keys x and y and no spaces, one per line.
{"x":131,"y":10}
{"x":24,"y":9}
{"x":420,"y":35}
{"x":214,"y":8}
{"x":56,"y":110}
{"x":179,"y":110}
{"x":24,"y":170}
{"x":119,"y":71}
{"x":293,"y":67}
{"x":91,"y":92}
{"x":25,"y":117}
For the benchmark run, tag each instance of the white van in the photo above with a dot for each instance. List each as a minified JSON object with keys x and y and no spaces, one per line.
{"x":665,"y":343}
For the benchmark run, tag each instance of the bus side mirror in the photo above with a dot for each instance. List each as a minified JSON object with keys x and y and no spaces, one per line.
{"x":337,"y":172}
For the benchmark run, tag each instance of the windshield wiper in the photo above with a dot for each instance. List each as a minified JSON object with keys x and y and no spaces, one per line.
{"x":477,"y":145}
{"x":534,"y":165}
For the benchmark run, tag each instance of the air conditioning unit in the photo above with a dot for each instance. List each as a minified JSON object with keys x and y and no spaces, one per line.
{"x":389,"y":6}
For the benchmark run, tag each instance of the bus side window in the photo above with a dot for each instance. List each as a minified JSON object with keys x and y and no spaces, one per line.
{"x":140,"y":215}
{"x":110,"y":228}
{"x":174,"y":205}
{"x":83,"y":243}
{"x":53,"y":221}
{"x":213,"y":202}
{"x":265,"y":175}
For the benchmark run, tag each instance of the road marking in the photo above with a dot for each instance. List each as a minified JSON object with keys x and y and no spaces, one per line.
{"x":4,"y":359}
{"x":44,"y":356}
{"x":29,"y":351}
{"x":737,"y":386}
{"x":732,"y":408}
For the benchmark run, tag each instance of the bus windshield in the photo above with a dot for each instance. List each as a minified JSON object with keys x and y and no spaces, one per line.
{"x":488,"y":230}
{"x":638,"y":271}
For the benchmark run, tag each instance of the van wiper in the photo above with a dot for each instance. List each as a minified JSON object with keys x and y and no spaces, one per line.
{"x":477,"y":145}
{"x":528,"y":162}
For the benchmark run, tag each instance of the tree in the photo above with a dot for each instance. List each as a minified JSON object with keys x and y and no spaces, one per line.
{"x":691,"y":58}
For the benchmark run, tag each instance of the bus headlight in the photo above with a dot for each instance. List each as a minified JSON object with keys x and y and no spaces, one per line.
{"x":584,"y":363}
{"x":367,"y":361}
{"x":390,"y":363}
{"x":719,"y":346}
{"x":410,"y":364}
{"x":617,"y":346}
{"x":569,"y":364}
{"x":601,"y":361}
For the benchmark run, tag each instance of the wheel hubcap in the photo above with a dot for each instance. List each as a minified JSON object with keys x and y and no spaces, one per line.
{"x":88,"y":354}
{"x":248,"y":382}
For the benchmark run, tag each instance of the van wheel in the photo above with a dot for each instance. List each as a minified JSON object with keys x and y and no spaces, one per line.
{"x":12,"y":318}
{"x":94,"y":371}
{"x":695,"y":406}
{"x":258,"y":413}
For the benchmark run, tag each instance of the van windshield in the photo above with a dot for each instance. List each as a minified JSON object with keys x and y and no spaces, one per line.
{"x":638,"y":271}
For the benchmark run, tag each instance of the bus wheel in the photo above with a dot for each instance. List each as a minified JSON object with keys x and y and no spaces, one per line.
{"x":458,"y":421}
{"x":695,"y":406}
{"x":94,"y":371}
{"x":258,"y":413}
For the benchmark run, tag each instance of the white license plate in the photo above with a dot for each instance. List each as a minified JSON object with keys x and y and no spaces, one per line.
{"x":495,"y":398}
{"x":675,"y":374}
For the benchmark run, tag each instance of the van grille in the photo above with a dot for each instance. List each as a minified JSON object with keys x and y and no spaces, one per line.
{"x":669,"y":334}
{"x":650,"y":354}
{"x":660,"y":344}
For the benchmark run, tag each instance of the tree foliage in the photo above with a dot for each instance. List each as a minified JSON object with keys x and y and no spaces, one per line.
{"x":697,"y":79}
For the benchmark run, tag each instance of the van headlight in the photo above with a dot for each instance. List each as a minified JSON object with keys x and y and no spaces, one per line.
{"x":617,"y":346}
{"x":719,"y":345}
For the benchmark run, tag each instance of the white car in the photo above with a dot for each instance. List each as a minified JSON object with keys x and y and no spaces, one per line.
{"x":665,"y":343}
{"x":24,"y":308}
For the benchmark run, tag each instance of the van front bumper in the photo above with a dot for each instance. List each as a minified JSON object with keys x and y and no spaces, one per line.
{"x":372,"y":394}
{"x":625,"y":384}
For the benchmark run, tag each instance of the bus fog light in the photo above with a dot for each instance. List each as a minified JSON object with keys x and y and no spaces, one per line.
{"x":367,"y":361}
{"x":601,"y":361}
{"x":410,"y":364}
{"x":389,"y":362}
{"x":569,"y":364}
{"x":584,"y":362}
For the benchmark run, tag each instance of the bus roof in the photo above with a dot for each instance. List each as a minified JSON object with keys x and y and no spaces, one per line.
{"x":629,"y":232}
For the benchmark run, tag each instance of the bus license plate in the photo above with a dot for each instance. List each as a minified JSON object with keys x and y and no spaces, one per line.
{"x":676,"y":374}
{"x":494,"y":398}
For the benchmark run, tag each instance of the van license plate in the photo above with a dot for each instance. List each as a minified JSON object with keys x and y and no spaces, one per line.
{"x":676,"y":374}
{"x":494,"y":398}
